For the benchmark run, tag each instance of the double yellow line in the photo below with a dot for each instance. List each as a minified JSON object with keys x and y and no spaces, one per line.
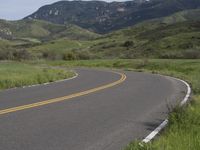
{"x":64,"y":98}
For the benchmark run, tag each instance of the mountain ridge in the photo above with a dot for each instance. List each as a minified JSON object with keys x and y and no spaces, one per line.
{"x":104,"y":17}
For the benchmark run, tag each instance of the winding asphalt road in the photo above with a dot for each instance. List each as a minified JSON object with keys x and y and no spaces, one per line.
{"x":98,"y":110}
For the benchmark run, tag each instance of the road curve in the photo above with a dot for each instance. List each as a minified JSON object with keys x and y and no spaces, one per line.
{"x":121,"y":109}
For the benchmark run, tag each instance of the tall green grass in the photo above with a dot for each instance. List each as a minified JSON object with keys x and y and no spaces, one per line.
{"x":15,"y":74}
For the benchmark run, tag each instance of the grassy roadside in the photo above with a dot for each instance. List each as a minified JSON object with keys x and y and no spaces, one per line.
{"x":183,"y":131}
{"x":15,"y":74}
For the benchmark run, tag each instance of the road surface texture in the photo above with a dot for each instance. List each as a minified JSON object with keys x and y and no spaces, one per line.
{"x":107,"y":119}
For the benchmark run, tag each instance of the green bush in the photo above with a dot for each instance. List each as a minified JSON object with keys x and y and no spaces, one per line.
{"x":21,"y":54}
{"x":191,"y":54}
{"x":84,"y":55}
{"x":69,"y":56}
{"x":51,"y":55}
{"x":15,"y":54}
{"x":128,"y":44}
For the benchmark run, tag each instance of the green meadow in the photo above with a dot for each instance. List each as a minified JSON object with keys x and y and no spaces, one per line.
{"x":15,"y":74}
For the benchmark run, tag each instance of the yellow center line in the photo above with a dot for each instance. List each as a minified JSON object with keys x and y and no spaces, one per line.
{"x":64,"y":98}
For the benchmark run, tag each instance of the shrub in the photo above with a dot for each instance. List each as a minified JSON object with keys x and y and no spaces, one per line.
{"x":69,"y":56}
{"x":171,"y":55}
{"x":3,"y":55}
{"x":84,"y":55}
{"x":192,"y":54}
{"x":21,"y":54}
{"x":128,"y":44}
{"x":51,"y":55}
{"x":15,"y":54}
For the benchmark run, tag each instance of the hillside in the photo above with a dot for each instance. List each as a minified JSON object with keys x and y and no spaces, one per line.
{"x":17,"y":37}
{"x":175,"y":36}
{"x":41,"y":30}
{"x":103,"y":17}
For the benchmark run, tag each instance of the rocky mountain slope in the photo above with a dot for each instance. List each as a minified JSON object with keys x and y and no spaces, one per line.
{"x":103,"y":17}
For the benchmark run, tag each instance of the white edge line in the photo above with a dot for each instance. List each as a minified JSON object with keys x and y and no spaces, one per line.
{"x":47,"y":83}
{"x":165,"y":122}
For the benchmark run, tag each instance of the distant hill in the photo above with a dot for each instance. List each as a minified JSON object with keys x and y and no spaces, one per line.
{"x":192,"y":15}
{"x":187,"y":15}
{"x":103,"y":17}
{"x":175,"y":36}
{"x":41,"y":30}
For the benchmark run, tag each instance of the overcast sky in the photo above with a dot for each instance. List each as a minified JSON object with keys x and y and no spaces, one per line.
{"x":17,"y":9}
